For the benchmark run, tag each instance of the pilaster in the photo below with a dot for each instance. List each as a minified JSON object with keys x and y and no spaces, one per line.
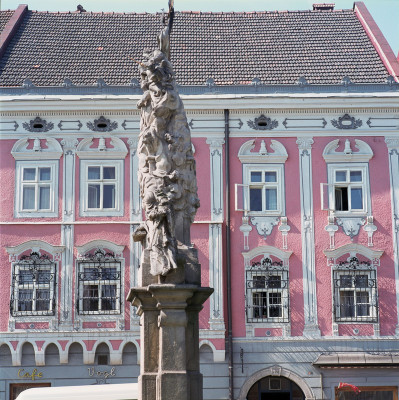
{"x":67,"y":232}
{"x":307,"y":233}
{"x":136,"y":216}
{"x":216,"y":177}
{"x":393,"y":154}
{"x":216,"y":319}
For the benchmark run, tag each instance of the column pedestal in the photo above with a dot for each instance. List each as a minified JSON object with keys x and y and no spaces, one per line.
{"x":169,"y":336}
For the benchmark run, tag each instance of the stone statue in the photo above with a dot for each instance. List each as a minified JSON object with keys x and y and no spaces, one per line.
{"x":167,"y":173}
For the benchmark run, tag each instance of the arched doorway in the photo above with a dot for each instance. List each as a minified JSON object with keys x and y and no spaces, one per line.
{"x":275,"y":388}
{"x":275,"y":371}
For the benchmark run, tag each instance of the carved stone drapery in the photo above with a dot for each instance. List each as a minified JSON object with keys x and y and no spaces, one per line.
{"x":167,"y":176}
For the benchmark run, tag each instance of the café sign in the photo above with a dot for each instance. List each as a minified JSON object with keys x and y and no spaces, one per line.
{"x":35,"y":374}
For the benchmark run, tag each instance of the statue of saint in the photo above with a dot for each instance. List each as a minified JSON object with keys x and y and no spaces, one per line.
{"x":167,"y":173}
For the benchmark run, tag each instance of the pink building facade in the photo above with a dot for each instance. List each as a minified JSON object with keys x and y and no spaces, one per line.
{"x":297,"y":231}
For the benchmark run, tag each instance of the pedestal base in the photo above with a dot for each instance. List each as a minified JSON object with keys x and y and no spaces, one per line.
{"x":169,"y":340}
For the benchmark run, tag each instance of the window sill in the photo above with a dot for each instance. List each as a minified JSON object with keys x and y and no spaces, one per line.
{"x":24,"y":214}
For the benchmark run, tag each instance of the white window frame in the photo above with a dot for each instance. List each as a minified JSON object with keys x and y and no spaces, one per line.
{"x":53,"y":184}
{"x":279,"y":185}
{"x":34,"y":286}
{"x":372,"y":292}
{"x":99,"y":283}
{"x":365,"y":185}
{"x":284,"y":291}
{"x":118,"y":210}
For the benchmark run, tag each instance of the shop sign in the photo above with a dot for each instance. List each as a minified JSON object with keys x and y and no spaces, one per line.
{"x":32,"y":376}
{"x":101,"y":375}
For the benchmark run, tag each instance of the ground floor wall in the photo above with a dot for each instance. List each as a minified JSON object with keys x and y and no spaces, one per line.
{"x":293,"y":360}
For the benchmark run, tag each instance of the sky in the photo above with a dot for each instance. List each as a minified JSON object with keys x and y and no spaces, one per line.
{"x":384,"y":12}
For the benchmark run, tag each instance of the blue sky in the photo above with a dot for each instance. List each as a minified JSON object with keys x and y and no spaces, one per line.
{"x":385,"y":12}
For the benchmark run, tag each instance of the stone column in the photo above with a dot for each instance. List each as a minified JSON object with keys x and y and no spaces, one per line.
{"x":149,"y":341}
{"x":169,"y":340}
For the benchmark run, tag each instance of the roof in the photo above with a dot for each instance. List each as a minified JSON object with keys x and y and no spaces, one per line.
{"x":5,"y":17}
{"x":357,"y":359}
{"x":232,"y":48}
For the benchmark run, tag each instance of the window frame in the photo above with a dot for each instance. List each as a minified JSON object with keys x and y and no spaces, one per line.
{"x":371,"y":290}
{"x":19,"y":211}
{"x":16,"y":288}
{"x":118,"y":210}
{"x":267,"y":270}
{"x":279,"y":185}
{"x":333,"y":168}
{"x":103,"y":259}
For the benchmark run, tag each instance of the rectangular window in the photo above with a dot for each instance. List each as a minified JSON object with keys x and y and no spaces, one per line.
{"x":36,"y":188}
{"x":262,"y":190}
{"x":33,"y":286}
{"x":99,"y":281}
{"x":267,"y":295}
{"x":348,"y":189}
{"x":101,"y":188}
{"x":355,"y":295}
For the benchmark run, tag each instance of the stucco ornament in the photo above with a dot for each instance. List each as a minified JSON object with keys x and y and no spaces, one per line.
{"x":167,"y":177}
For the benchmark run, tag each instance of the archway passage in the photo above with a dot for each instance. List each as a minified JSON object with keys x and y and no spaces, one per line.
{"x":275,"y":388}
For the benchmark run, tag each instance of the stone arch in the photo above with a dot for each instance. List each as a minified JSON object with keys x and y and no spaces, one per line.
{"x":100,"y":244}
{"x":34,"y":246}
{"x":75,"y":353}
{"x":275,"y":371}
{"x":5,"y":355}
{"x":206,"y":352}
{"x":102,"y":350}
{"x":52,"y":354}
{"x":27,"y":351}
{"x":129,"y":354}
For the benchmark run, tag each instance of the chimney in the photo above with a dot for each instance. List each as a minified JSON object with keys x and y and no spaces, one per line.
{"x":323,"y":6}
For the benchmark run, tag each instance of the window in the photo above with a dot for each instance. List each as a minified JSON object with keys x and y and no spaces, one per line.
{"x":267,"y":292}
{"x":368,"y":393}
{"x":262,"y":191}
{"x":37,"y":188}
{"x":99,"y":284}
{"x":101,"y":188}
{"x":355,"y":292}
{"x":349,"y":190}
{"x":33,"y":286}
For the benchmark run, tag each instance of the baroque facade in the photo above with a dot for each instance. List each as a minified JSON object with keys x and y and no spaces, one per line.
{"x":298,"y":179}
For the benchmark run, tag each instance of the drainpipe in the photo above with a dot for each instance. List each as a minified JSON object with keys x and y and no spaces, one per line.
{"x":228,"y":255}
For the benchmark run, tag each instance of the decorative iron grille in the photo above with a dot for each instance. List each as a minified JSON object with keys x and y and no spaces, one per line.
{"x":99,"y":284}
{"x":267,"y":294}
{"x":33,"y":286}
{"x":355,"y":292}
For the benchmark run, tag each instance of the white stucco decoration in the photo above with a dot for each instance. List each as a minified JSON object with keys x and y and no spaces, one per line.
{"x":275,"y":370}
{"x":282,"y":255}
{"x":278,"y":155}
{"x":41,"y":148}
{"x":100,"y":244}
{"x":364,"y":153}
{"x":86,"y":151}
{"x":353,"y":248}
{"x":34,"y":246}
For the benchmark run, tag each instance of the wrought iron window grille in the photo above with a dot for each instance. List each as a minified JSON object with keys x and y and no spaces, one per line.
{"x":33,"y":287}
{"x":267,"y":292}
{"x":99,"y":284}
{"x":355,"y":291}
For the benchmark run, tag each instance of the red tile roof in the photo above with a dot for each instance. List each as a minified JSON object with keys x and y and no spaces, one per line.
{"x":231,"y":48}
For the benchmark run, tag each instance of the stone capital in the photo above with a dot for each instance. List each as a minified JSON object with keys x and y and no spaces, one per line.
{"x":392,"y":143}
{"x":304,"y":143}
